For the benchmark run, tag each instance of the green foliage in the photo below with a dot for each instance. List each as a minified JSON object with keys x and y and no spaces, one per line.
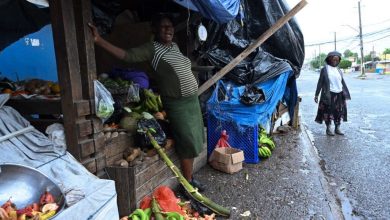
{"x":367,"y":58}
{"x":318,"y":61}
{"x":387,"y":51}
{"x":348,"y":53}
{"x":344,"y":64}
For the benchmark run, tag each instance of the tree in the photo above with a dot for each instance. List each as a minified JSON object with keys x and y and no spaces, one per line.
{"x":344,"y":64}
{"x":367,"y":58}
{"x":318,"y":61}
{"x":387,"y":51}
{"x":348,"y":53}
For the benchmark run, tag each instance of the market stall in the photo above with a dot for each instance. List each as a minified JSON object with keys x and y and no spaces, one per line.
{"x":108,"y":148}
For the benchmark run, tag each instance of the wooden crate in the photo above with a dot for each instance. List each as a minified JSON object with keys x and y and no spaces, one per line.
{"x":133,"y":183}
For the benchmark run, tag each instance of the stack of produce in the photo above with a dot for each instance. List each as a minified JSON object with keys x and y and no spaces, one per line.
{"x":163,"y":204}
{"x":265,"y":143}
{"x":31,"y":87}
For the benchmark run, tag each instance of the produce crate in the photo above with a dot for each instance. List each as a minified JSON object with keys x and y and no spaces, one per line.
{"x":133,"y":183}
{"x":242,"y":137}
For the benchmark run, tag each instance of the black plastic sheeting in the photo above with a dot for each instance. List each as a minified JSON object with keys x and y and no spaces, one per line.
{"x":19,"y":18}
{"x":104,"y":14}
{"x":284,"y":50}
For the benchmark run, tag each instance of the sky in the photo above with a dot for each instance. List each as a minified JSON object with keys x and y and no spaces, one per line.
{"x":319,"y":20}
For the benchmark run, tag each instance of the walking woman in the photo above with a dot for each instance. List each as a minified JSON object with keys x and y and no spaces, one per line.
{"x":177,"y":86}
{"x":334,"y":93}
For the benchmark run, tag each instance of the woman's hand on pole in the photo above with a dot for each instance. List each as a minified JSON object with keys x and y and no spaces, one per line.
{"x":114,"y":50}
{"x":95,"y":33}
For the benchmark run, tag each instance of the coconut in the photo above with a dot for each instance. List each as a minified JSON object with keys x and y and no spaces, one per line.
{"x":129,"y":123}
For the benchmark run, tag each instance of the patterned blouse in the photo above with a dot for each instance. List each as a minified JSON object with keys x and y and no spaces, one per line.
{"x":173,"y":70}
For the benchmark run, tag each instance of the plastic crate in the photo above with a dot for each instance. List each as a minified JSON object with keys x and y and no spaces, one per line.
{"x":242,"y":137}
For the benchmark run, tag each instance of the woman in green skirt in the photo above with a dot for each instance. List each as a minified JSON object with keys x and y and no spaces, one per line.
{"x":177,"y":86}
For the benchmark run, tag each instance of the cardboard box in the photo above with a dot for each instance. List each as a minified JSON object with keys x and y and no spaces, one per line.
{"x":227,"y":159}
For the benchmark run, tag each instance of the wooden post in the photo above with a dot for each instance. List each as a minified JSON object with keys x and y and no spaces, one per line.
{"x":282,"y":21}
{"x":86,"y":49}
{"x":76,"y":71}
{"x":68,"y":68}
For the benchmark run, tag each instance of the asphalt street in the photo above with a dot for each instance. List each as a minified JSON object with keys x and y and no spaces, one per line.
{"x":311,"y":175}
{"x":357,"y":165}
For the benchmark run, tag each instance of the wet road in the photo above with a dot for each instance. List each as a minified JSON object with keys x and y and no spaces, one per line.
{"x":357,"y":165}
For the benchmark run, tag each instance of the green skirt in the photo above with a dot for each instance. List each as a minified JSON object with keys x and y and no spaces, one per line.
{"x":186,"y":121}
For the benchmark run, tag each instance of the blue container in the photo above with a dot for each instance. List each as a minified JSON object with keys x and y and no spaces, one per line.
{"x":243,"y":137}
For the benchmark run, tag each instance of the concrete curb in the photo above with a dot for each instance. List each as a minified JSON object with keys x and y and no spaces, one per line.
{"x":334,"y":206}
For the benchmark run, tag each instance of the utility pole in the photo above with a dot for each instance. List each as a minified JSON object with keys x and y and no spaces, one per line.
{"x":361,"y":44}
{"x":335,"y":41}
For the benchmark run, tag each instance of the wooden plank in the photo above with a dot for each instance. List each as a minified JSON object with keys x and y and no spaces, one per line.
{"x":124,"y":187}
{"x":68,"y":68}
{"x":97,"y":124}
{"x":152,"y":170}
{"x":296,"y":122}
{"x":36,"y":106}
{"x":282,"y":21}
{"x":86,"y":48}
{"x":99,"y":142}
{"x":84,"y":128}
{"x":149,"y":186}
{"x":82,"y":108}
{"x":146,"y":163}
{"x":86,"y":147}
{"x":116,"y":146}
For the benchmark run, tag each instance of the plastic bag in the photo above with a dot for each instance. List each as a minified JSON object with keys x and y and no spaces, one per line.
{"x":252,"y":95}
{"x":133,"y":93}
{"x":223,"y":140}
{"x":104,"y":103}
{"x":158,"y":133}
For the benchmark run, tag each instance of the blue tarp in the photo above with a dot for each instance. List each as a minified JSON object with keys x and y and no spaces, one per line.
{"x":220,"y":11}
{"x":231,"y":109}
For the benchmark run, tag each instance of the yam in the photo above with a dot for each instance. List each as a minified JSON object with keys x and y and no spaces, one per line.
{"x":122,"y":163}
{"x":134,"y":154}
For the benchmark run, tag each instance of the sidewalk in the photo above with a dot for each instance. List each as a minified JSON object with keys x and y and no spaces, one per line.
{"x":288,"y":185}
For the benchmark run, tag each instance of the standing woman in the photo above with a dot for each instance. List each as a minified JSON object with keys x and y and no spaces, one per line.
{"x":176,"y":84}
{"x":334,"y":93}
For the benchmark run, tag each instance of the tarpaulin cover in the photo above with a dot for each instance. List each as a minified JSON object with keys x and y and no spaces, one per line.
{"x":220,"y":11}
{"x":34,"y":149}
{"x":19,"y":18}
{"x":284,"y":47}
{"x":229,"y":108}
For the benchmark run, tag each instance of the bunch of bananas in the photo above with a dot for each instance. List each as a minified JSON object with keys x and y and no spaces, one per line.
{"x":264,"y":152}
{"x":152,"y":102}
{"x":265,"y":143}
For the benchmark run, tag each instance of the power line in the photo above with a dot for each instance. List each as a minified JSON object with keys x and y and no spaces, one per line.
{"x":349,"y":38}
{"x":378,"y":39}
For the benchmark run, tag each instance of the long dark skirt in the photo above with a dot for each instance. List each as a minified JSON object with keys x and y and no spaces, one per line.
{"x":336,"y":111}
{"x":185,"y":119}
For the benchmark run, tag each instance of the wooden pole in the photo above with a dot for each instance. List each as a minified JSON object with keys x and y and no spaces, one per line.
{"x":282,"y":21}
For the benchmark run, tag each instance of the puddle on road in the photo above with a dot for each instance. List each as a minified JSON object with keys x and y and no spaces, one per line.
{"x":346,"y":206}
{"x":367,"y":131}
